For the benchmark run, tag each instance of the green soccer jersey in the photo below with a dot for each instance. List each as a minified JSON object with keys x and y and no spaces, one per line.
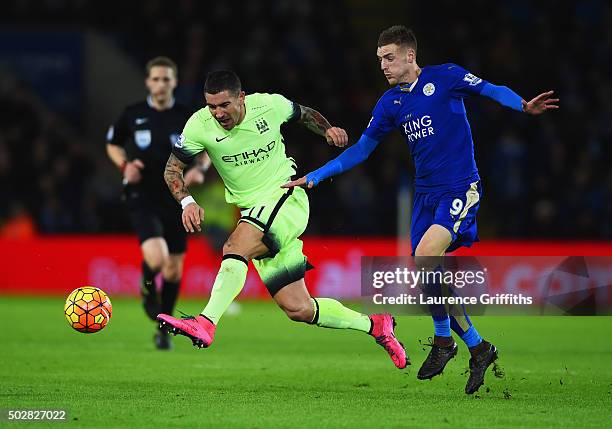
{"x":250,"y":158}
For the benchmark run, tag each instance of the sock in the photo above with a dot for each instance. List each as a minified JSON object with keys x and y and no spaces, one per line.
{"x":462,"y":325}
{"x":228,"y":284}
{"x":169,"y":294}
{"x":438,"y":312}
{"x":471,"y":338}
{"x":329,"y":313}
{"x":442,"y":326}
{"x":148,"y":278}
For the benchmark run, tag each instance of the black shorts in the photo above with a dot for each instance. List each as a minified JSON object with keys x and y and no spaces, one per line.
{"x":161,"y":221}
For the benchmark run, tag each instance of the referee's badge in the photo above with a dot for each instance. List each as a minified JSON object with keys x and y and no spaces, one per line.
{"x":142,"y":138}
{"x":429,"y":89}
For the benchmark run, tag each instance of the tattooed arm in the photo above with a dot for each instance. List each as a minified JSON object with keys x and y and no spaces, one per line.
{"x":313,"y":120}
{"x":173,"y":175}
{"x":317,"y":123}
{"x":193,"y":214}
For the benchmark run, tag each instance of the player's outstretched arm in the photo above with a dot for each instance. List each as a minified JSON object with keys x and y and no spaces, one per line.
{"x":352,"y":156}
{"x":506,"y":97}
{"x":317,"y":123}
{"x":540,"y":104}
{"x":193,"y":214}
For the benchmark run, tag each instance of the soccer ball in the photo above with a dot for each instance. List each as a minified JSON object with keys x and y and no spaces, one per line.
{"x":88,"y":309}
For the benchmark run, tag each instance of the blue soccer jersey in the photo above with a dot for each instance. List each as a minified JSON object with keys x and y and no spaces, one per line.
{"x":431,"y":116}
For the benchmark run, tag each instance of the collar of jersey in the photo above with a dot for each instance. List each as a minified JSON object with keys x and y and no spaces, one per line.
{"x":408,"y":87}
{"x":150,"y":102}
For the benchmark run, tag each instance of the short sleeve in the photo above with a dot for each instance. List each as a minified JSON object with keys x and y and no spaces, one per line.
{"x":118,"y":133}
{"x":288,"y":110}
{"x":380,"y":124}
{"x":190,"y":143}
{"x":462,"y":82}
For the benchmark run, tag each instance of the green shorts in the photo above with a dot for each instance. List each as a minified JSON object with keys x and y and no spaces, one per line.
{"x":282,"y":221}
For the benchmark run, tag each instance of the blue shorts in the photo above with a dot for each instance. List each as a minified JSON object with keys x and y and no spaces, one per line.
{"x":454,"y":208}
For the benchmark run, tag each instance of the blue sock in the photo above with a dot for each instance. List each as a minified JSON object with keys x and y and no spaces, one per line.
{"x":462,"y":325}
{"x":442,"y":326}
{"x":471,"y":337}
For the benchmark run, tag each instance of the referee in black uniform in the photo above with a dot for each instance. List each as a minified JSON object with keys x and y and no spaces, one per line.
{"x":139,"y":144}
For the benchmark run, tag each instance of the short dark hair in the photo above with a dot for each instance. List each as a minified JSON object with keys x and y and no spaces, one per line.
{"x":161,"y":62}
{"x":400,"y":35}
{"x":222,"y":80}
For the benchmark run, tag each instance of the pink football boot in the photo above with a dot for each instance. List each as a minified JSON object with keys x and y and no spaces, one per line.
{"x":198,"y":328}
{"x":382,"y":331}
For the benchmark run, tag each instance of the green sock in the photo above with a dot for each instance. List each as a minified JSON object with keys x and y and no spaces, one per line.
{"x":329,"y":313}
{"x":228,"y":284}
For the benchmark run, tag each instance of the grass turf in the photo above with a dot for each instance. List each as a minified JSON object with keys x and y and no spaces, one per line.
{"x":265,"y":371}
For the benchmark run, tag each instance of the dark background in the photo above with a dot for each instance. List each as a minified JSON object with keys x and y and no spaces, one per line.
{"x":544,"y":177}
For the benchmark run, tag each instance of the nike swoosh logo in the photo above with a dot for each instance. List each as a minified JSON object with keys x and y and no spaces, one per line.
{"x":222,"y":138}
{"x":140,"y":121}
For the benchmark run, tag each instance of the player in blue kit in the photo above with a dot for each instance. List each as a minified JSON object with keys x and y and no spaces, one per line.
{"x":426,"y":106}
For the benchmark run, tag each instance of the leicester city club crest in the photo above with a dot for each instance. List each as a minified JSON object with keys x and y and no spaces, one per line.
{"x":429,"y":89}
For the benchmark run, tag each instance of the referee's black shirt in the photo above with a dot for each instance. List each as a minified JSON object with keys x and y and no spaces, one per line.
{"x":149,"y":134}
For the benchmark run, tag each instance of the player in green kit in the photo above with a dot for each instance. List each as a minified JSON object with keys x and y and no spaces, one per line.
{"x":241,"y":134}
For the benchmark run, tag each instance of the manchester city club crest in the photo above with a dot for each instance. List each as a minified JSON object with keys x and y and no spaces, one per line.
{"x":262,"y":125}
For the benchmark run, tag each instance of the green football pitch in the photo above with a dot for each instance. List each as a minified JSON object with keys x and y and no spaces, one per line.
{"x":264,"y":371}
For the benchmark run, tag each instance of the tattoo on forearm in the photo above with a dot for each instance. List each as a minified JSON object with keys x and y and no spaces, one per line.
{"x":173,"y":174}
{"x":313,"y":120}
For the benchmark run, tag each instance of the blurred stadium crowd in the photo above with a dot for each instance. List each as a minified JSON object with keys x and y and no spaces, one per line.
{"x":546,"y":177}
